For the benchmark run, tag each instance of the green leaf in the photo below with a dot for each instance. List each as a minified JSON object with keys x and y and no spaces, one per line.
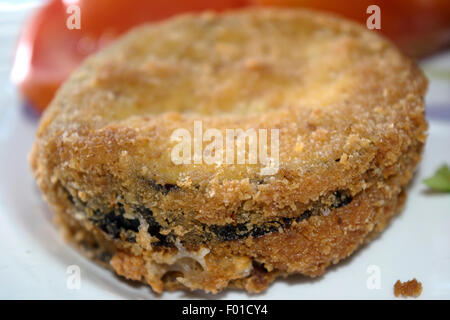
{"x":441,"y":179}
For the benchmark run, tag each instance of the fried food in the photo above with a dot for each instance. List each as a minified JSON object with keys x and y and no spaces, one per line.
{"x":410,"y":288}
{"x":350,"y":115}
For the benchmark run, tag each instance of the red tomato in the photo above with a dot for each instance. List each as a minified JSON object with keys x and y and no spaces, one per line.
{"x":418,"y":27}
{"x":48,"y":51}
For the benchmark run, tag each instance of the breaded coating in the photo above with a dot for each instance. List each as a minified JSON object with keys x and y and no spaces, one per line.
{"x":348,"y":107}
{"x":411,"y":288}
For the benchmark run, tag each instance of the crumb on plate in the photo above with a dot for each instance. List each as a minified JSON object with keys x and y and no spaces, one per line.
{"x":411,"y":288}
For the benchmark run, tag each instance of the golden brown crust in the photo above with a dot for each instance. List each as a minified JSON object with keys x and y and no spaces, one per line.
{"x":358,"y":100}
{"x":411,"y":288}
{"x":308,"y":247}
{"x":350,"y":112}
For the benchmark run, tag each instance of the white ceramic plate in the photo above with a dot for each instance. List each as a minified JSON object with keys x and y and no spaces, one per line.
{"x":34,"y":260}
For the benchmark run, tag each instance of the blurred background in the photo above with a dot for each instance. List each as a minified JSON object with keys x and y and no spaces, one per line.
{"x":34,"y":35}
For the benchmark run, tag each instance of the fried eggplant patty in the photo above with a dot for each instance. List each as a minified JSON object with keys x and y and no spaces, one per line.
{"x":349,"y":111}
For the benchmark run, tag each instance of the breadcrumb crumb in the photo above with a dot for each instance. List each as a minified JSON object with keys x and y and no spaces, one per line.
{"x":411,"y":288}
